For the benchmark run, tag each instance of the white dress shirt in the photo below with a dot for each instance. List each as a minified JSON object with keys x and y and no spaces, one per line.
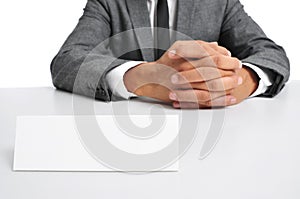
{"x":115,"y":76}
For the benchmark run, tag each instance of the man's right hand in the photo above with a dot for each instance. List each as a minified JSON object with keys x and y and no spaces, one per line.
{"x":204,"y":67}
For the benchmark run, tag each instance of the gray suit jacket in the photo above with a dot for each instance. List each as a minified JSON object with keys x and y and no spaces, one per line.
{"x":96,"y":46}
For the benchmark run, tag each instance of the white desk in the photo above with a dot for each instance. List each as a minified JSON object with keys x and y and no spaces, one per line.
{"x":257,"y":157}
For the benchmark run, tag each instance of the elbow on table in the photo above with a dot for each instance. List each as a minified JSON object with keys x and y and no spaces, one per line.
{"x":60,"y":79}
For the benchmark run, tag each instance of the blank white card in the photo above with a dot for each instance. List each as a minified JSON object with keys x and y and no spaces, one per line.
{"x":52,"y":143}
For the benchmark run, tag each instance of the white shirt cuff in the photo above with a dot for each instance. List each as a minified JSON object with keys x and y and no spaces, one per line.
{"x":115,"y":79}
{"x":264,"y":81}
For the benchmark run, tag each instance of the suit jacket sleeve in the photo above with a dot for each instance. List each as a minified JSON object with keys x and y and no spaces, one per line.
{"x":246,"y":40}
{"x":85,"y":58}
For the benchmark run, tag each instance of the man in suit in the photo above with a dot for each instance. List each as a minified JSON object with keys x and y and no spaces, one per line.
{"x":191,"y":53}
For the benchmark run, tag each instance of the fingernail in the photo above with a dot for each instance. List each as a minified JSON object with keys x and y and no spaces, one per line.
{"x":240,"y":81}
{"x":172,"y":53}
{"x":229,"y":53}
{"x":173,"y":96}
{"x":233,"y":100}
{"x":174,"y":79}
{"x":176,"y":105}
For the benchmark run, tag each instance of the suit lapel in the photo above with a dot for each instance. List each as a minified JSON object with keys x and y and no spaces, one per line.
{"x":139,"y":15}
{"x":185,"y":15}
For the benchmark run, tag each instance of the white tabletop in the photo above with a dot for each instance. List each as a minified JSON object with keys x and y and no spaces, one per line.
{"x":257,"y":156}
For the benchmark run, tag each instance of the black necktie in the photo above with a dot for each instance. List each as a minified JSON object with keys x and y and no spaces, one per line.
{"x":162,"y":32}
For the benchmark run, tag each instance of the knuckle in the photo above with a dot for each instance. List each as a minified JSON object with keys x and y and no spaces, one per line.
{"x":200,"y":45}
{"x":222,"y":48}
{"x":175,"y":45}
{"x":217,"y":59}
{"x":200,"y":42}
{"x":214,"y":44}
{"x":178,"y":44}
{"x":236,"y":62}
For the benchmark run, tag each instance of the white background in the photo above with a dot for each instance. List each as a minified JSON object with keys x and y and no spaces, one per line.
{"x":32,"y":32}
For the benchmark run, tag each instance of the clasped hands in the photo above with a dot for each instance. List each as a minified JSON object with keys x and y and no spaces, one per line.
{"x":193,"y":74}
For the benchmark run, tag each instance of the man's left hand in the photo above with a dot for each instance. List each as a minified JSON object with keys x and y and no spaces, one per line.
{"x":187,"y":99}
